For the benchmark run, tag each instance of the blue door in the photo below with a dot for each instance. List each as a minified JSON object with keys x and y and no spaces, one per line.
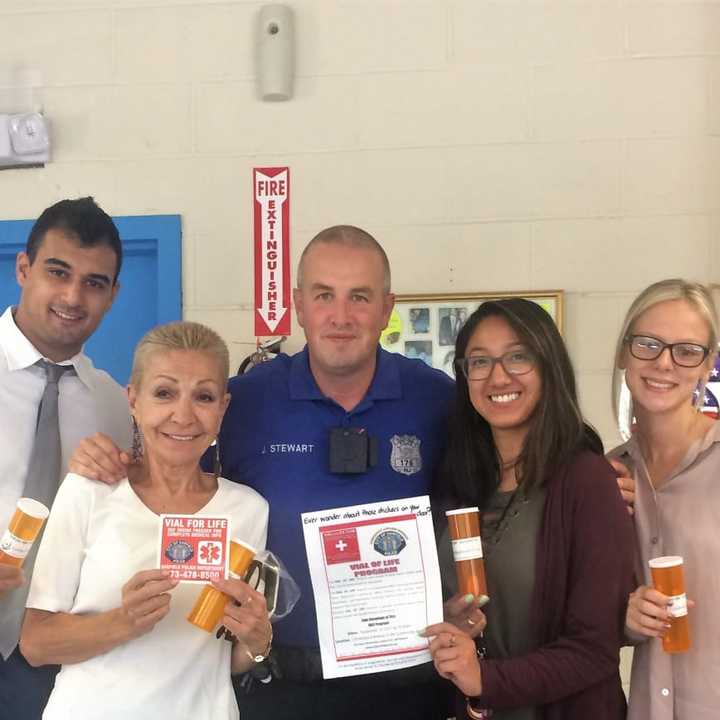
{"x":150,"y":285}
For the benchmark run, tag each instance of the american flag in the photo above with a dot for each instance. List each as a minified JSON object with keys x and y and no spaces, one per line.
{"x":710,"y":404}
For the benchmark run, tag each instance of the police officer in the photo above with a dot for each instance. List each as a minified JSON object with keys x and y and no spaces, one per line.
{"x":342,"y":422}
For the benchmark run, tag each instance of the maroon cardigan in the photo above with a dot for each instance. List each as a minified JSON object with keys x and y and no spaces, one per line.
{"x":584,"y":574}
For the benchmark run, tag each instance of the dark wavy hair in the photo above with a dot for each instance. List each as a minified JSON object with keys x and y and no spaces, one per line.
{"x":84,"y":221}
{"x":471,"y":469}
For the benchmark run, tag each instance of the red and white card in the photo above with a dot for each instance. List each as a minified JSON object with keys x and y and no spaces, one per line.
{"x":194,"y":548}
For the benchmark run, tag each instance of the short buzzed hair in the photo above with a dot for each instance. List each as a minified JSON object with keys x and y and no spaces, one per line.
{"x":349,"y":236}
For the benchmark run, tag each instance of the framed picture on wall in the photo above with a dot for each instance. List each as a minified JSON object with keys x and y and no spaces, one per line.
{"x":426,"y":326}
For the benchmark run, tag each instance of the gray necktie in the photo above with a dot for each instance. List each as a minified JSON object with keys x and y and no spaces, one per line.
{"x":43,"y":477}
{"x":41,"y":483}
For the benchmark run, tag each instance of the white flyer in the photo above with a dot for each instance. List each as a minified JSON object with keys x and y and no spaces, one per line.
{"x":376,"y":581}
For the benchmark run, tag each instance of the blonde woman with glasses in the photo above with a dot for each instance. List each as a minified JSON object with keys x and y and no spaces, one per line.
{"x":666,"y":350}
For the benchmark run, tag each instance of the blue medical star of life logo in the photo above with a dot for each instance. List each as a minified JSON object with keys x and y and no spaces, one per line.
{"x":405,"y":455}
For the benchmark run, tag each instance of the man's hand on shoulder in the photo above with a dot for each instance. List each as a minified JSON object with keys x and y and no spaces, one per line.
{"x":10,"y":578}
{"x":626,"y":483}
{"x":98,"y":458}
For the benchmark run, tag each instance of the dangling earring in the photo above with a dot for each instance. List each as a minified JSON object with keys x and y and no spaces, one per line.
{"x":217,"y":468}
{"x":137,"y":446}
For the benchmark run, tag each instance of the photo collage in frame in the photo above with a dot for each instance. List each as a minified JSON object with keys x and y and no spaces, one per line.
{"x":425,"y":327}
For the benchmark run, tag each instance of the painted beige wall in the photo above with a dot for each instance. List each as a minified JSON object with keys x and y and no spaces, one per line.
{"x":489,"y":145}
{"x":518,"y":144}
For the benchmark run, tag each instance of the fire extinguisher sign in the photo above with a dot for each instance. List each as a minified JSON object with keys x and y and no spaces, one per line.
{"x":272,"y":250}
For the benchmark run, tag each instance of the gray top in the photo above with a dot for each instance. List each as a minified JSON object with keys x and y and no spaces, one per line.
{"x":680,"y":517}
{"x":509,"y":552}
{"x":509,"y":531}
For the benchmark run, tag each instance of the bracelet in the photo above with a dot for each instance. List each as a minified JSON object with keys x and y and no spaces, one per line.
{"x":476,"y":713}
{"x":262,"y":656}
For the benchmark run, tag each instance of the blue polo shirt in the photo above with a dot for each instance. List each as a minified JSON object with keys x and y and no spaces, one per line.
{"x":275,"y":438}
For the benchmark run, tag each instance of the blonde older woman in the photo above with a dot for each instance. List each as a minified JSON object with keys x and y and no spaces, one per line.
{"x":666,"y":349}
{"x":96,"y":605}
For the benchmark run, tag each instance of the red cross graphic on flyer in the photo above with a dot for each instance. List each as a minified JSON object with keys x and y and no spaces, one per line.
{"x":194,"y":548}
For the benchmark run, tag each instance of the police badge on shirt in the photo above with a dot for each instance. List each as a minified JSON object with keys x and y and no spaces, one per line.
{"x":405,"y":455}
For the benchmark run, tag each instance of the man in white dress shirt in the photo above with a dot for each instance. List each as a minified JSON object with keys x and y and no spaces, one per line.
{"x":68,"y":278}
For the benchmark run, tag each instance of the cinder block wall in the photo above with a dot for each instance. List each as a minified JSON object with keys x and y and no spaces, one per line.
{"x":518,"y":144}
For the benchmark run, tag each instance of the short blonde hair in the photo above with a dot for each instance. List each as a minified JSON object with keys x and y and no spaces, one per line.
{"x":180,"y":335}
{"x":696,"y":294}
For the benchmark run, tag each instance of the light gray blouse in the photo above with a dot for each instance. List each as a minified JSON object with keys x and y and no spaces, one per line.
{"x":680,"y":517}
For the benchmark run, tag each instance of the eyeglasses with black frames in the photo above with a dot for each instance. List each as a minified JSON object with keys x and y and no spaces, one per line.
{"x":684,"y":354}
{"x":480,"y":367}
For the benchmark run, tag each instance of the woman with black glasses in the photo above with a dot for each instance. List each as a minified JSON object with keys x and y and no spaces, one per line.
{"x":557,"y":538}
{"x":666,"y":350}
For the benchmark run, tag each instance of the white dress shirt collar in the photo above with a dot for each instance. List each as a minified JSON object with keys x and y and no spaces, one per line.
{"x":20,"y":353}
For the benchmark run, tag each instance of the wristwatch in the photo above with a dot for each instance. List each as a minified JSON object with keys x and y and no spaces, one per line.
{"x":262,"y":656}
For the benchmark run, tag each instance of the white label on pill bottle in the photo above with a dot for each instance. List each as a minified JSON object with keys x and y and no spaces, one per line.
{"x":467,"y":549}
{"x":14,"y":546}
{"x":677,"y":606}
